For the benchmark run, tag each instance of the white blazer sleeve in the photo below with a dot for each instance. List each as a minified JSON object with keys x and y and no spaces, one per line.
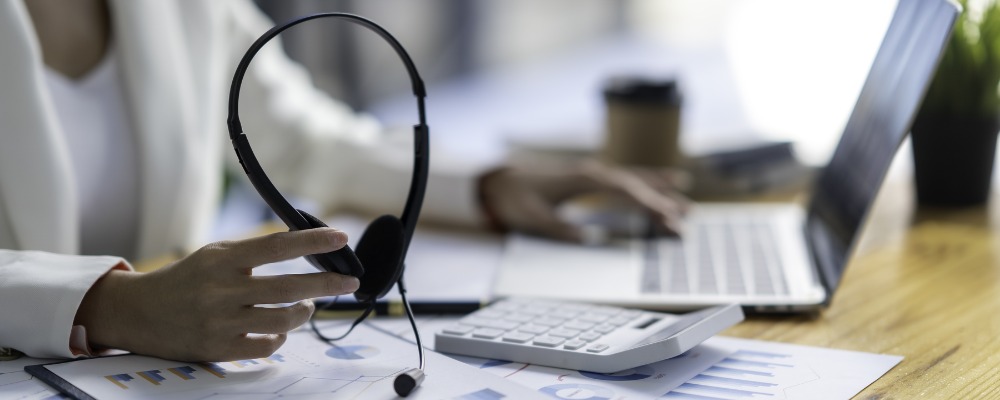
{"x":40,"y":293}
{"x":318,"y":148}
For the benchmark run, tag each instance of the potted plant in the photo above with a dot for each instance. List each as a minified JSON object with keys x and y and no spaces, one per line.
{"x":955,"y":131}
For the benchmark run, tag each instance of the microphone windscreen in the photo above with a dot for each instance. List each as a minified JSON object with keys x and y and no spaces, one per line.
{"x":407,"y":381}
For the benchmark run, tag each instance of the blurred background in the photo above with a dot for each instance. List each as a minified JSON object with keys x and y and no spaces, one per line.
{"x":509,"y":72}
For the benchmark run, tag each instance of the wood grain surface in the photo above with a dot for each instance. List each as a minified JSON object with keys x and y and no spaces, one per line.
{"x":923,"y":283}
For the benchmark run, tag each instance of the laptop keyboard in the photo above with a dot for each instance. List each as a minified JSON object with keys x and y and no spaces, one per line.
{"x":715,"y":258}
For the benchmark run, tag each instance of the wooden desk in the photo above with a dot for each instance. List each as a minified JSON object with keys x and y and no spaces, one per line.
{"x":924,"y":284}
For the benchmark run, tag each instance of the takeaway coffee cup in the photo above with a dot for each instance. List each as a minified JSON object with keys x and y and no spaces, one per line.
{"x":643,"y":122}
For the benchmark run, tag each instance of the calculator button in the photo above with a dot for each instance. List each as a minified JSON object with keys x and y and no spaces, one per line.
{"x":605,"y":328}
{"x":548,"y":341}
{"x":574,"y":344}
{"x":564,"y":314}
{"x":474,"y":321}
{"x":506,"y":306}
{"x":581,"y":325}
{"x":487,"y":333}
{"x":536,"y":310}
{"x":597,"y":348}
{"x":589,"y":336}
{"x":536,"y":329}
{"x":505,"y":325}
{"x":517,"y":337}
{"x":458,"y":329}
{"x":605,"y":310}
{"x":593,"y":317}
{"x":574,"y":307}
{"x":489,"y":313}
{"x":564,"y":333}
{"x":619,"y":320}
{"x":517,"y":317}
{"x":489,"y":323}
{"x":546,"y":321}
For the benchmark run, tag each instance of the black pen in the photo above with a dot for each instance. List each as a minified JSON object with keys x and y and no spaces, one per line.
{"x":395,"y":308}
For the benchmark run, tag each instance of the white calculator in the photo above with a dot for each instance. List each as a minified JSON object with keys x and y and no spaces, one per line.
{"x":580,"y":336}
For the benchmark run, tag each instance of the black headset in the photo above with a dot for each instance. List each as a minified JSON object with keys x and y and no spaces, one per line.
{"x":378,"y":261}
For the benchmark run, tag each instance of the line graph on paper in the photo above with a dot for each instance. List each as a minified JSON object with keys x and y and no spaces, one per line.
{"x":22,"y":386}
{"x":347,"y":385}
{"x":16,"y":384}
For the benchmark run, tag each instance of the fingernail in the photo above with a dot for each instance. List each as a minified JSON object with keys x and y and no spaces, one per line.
{"x":351,"y":284}
{"x":338,"y":238}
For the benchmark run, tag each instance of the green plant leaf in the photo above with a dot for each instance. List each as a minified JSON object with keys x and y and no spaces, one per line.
{"x":967,"y":81}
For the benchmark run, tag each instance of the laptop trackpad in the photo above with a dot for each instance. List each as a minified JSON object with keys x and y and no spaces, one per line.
{"x":537,"y":267}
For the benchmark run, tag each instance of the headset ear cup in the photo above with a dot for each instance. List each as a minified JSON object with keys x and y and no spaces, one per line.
{"x":381,"y":252}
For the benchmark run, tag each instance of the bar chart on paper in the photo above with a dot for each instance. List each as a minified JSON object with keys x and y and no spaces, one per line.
{"x":363,"y":366}
{"x":157,"y":377}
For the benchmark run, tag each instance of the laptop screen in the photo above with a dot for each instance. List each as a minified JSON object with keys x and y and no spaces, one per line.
{"x":892,"y":93}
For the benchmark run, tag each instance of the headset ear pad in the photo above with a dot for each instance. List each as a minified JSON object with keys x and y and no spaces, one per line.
{"x":381,"y":252}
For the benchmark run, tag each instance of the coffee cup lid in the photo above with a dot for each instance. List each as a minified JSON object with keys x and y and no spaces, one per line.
{"x":638,"y":89}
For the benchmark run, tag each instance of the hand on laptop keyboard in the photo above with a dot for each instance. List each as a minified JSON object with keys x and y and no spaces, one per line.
{"x":527,"y":199}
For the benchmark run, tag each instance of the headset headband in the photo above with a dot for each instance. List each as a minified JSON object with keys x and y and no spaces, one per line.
{"x":281,"y":207}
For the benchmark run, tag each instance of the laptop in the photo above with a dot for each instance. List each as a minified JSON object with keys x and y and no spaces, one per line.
{"x":766,"y":257}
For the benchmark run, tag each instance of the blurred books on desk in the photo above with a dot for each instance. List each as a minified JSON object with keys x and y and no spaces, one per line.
{"x":744,"y":168}
{"x":748,"y":170}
